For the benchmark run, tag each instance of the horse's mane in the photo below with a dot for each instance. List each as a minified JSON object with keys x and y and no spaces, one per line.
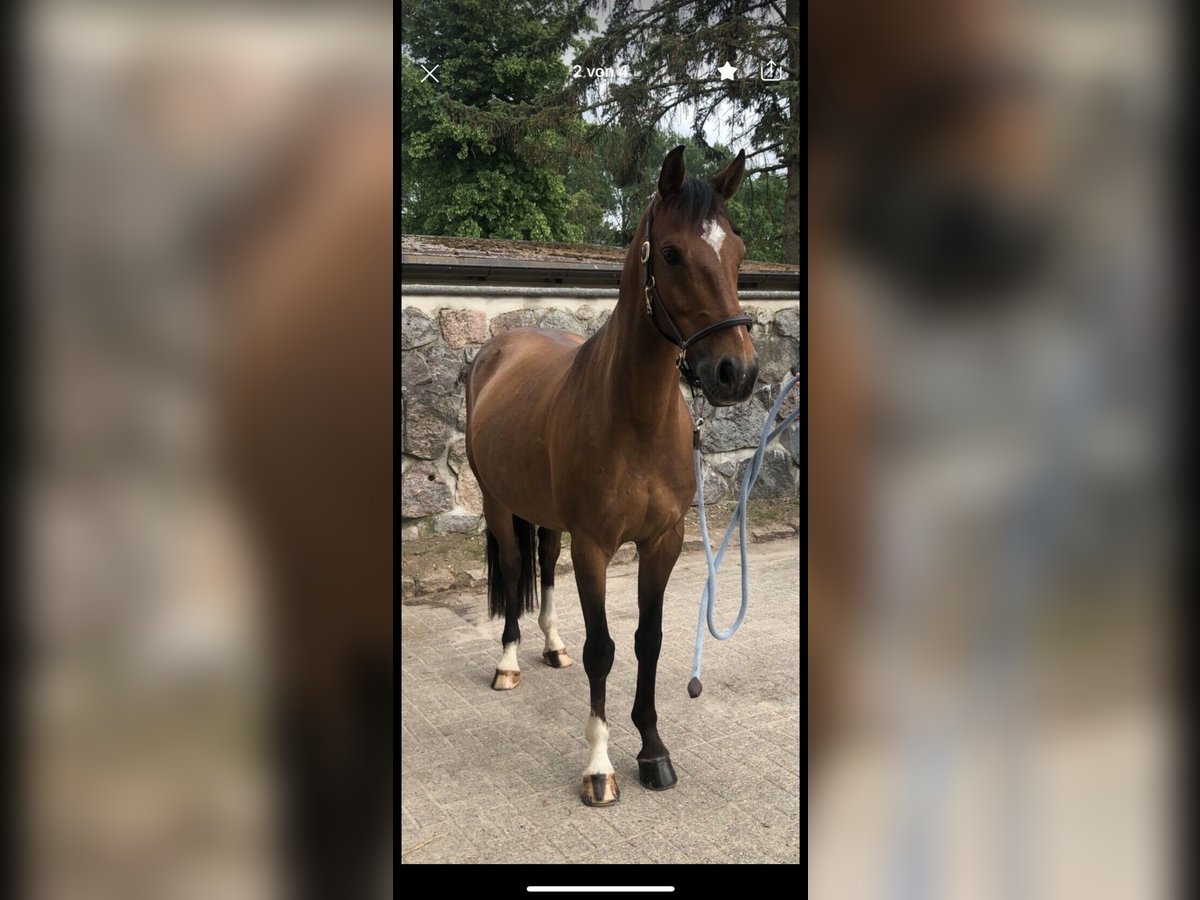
{"x":695,"y":202}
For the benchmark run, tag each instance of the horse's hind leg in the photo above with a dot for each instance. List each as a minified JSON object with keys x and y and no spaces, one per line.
{"x":510,"y":561}
{"x":549,"y":547}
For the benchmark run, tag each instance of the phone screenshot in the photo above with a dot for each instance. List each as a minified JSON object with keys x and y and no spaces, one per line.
{"x":600,"y":300}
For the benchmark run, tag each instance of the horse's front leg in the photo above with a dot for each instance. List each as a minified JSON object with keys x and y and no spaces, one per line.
{"x":657,"y":560}
{"x":591,"y":566}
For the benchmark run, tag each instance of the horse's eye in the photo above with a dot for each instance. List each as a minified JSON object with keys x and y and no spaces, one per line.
{"x":671,"y":255}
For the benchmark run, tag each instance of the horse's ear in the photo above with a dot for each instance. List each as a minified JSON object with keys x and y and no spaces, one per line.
{"x":728,"y":180}
{"x":670,"y":179}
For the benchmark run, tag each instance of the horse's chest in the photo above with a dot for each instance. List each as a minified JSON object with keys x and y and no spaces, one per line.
{"x":641,"y":496}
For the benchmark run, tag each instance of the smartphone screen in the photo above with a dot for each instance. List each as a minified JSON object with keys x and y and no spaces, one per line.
{"x":600,"y":269}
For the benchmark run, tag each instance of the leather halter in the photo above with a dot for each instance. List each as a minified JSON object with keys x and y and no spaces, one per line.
{"x":675,"y":337}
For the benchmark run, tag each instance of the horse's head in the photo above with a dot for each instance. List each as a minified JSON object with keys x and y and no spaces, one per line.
{"x":927,"y":129}
{"x":694,"y":253}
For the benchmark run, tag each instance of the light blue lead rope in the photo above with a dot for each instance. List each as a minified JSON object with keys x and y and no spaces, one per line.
{"x":708,"y":598}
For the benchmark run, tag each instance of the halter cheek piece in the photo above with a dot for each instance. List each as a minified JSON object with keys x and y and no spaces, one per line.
{"x":653,"y":300}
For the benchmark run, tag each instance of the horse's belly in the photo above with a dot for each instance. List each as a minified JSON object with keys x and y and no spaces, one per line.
{"x":514,"y":469}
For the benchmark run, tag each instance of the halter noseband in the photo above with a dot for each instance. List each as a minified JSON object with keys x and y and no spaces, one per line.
{"x":676,"y":338}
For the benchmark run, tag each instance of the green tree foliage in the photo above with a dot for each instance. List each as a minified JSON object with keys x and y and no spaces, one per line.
{"x":484,"y":151}
{"x":594,"y":194}
{"x":671,"y":50}
{"x":500,"y":147}
{"x":758,"y":210}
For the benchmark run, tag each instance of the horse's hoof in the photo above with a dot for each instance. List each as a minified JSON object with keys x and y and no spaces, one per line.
{"x":600,"y":790}
{"x":505,"y":681}
{"x":556,"y":659}
{"x":657,"y":774}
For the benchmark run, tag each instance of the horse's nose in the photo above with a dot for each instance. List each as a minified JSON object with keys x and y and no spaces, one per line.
{"x":751,"y":374}
{"x":736,"y":377}
{"x":727,"y":374}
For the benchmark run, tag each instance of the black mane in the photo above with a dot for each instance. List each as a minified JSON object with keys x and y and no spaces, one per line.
{"x":696,"y":202}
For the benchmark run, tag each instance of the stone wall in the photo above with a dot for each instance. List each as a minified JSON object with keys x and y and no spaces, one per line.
{"x":439,"y":493}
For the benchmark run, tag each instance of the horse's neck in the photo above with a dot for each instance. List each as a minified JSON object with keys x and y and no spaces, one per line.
{"x":639,"y":363}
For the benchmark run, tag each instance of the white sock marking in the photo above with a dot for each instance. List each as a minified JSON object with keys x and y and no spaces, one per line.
{"x":548,"y":620}
{"x":597,"y":738}
{"x":714,"y":236}
{"x":508,"y":659}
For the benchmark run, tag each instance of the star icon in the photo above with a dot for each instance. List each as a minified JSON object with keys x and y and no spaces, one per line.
{"x":727,"y":71}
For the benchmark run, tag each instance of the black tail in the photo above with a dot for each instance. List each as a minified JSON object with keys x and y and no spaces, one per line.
{"x":526,"y":581}
{"x":495,"y":584}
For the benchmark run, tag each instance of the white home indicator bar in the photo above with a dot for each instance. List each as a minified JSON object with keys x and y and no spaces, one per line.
{"x":616,"y":888}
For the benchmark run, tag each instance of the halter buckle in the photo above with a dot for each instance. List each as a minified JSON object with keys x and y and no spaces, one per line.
{"x":649,"y":304}
{"x":645,"y":252}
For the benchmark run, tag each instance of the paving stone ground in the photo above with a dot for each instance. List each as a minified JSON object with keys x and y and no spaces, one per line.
{"x":493,"y":777}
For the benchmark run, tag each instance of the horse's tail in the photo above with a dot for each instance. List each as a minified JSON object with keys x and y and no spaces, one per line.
{"x":526,"y":580}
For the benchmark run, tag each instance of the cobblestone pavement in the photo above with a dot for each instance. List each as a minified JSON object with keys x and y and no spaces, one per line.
{"x":489,"y":776}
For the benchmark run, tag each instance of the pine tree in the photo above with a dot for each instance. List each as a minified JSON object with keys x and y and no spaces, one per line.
{"x":485,"y":148}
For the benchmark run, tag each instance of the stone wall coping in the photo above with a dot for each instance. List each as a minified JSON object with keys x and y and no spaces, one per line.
{"x":471,"y":261}
{"x":456,"y":251}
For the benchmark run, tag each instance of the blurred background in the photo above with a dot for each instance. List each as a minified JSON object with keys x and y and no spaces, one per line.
{"x":146,"y":126}
{"x":1010,"y":731}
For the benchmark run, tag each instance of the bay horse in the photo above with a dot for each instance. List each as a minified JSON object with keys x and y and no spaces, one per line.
{"x":926,"y":164}
{"x":595,"y":438}
{"x":306,"y":403}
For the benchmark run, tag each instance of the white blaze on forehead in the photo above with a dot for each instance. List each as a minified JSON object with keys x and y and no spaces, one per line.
{"x":714,"y":236}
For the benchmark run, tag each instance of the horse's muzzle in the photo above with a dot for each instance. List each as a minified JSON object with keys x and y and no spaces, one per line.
{"x":727,"y":380}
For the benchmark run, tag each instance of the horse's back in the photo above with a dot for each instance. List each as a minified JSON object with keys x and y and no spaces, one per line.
{"x":512,"y":353}
{"x":519,"y":366}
